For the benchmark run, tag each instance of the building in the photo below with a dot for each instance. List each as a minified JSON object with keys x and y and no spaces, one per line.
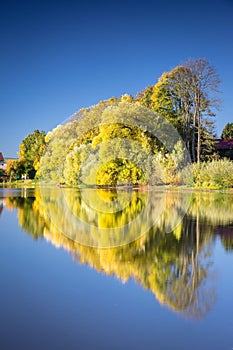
{"x":224,"y":148}
{"x":3,"y":176}
{"x":2,"y":162}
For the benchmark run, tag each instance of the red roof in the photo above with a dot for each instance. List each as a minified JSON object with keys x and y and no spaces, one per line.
{"x":1,"y":157}
{"x":224,"y":144}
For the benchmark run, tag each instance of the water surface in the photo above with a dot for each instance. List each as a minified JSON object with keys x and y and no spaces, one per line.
{"x":115,"y":270}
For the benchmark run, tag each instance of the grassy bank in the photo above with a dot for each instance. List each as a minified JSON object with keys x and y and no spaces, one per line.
{"x":216,"y":174}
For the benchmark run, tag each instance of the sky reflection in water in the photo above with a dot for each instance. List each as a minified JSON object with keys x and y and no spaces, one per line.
{"x":183,"y":257}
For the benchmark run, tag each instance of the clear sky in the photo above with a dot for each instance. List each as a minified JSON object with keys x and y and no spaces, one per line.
{"x":59,"y":56}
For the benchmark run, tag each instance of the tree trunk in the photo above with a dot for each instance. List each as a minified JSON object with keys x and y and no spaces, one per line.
{"x":198,"y":138}
{"x":198,"y":127}
{"x":193,"y":137}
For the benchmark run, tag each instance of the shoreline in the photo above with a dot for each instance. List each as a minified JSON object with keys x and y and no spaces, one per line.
{"x":142,"y":188}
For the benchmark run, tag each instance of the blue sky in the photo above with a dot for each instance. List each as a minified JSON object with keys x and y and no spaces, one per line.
{"x":59,"y":56}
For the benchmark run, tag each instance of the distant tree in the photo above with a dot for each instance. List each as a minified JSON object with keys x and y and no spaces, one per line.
{"x":204,"y":82}
{"x":15,"y":169}
{"x":227,"y":132}
{"x":186,"y":97}
{"x":31,"y":150}
{"x":144,"y":97}
{"x":126,"y":98}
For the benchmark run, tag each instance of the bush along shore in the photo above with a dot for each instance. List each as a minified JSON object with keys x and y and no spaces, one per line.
{"x":210,"y":175}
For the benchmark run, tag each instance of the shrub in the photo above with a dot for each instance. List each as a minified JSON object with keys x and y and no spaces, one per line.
{"x":212,"y":174}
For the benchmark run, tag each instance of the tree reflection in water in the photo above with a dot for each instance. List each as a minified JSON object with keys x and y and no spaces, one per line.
{"x":172,"y":258}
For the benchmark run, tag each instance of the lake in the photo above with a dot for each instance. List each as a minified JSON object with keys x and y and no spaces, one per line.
{"x":99,"y":269}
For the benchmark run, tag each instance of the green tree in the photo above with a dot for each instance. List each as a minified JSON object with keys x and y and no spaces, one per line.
{"x":15,"y":169}
{"x":227,"y":132}
{"x":31,"y":150}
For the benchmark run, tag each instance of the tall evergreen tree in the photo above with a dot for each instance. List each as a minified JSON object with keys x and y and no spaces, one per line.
{"x":227,"y":132}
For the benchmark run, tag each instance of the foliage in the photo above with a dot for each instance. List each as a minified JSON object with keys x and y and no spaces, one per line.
{"x":115,"y":142}
{"x":211,"y":174}
{"x":58,"y":142}
{"x":31,"y":150}
{"x":227,"y":132}
{"x":126,"y":140}
{"x":15,"y":169}
{"x":185,"y":96}
{"x":66,"y":144}
{"x":172,"y":163}
{"x":119,"y":171}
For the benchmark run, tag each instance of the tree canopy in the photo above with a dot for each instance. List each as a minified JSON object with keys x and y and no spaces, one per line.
{"x":227,"y":132}
{"x":186,"y":96}
{"x":133,"y":140}
{"x":113,"y":142}
{"x":31,"y":150}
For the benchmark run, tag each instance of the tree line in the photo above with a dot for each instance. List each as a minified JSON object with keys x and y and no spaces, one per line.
{"x":186,"y":97}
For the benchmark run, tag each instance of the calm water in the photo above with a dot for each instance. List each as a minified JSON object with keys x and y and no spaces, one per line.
{"x":115,"y":270}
